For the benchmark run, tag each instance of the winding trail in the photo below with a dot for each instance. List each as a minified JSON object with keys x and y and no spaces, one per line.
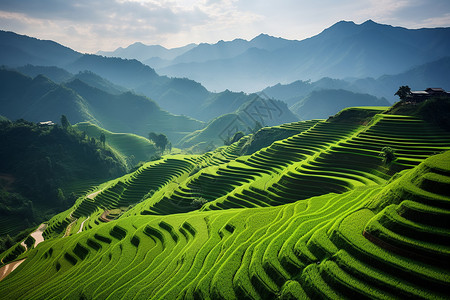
{"x":38,"y":237}
{"x":104,"y":215}
{"x":69,"y":227}
{"x":92,"y":196}
{"x":82,"y":224}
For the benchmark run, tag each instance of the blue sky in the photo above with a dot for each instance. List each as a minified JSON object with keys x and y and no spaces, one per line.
{"x":92,"y":25}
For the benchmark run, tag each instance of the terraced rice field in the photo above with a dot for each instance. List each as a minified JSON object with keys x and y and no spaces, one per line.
{"x":9,"y":224}
{"x":316,"y":215}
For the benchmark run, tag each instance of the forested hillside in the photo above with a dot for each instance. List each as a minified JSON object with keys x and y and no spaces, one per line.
{"x":44,"y":169}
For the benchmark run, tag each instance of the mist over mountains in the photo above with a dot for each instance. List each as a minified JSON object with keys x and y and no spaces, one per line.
{"x":345,"y":65}
{"x":40,"y":99}
{"x":344,"y":50}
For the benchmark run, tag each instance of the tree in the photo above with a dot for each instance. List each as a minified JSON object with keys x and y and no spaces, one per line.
{"x":403,"y":92}
{"x":198,"y":202}
{"x":103,"y":139}
{"x":388,"y":155}
{"x":161,"y":141}
{"x":65,"y":122}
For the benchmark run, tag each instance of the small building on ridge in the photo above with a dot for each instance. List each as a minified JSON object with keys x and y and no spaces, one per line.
{"x":419,"y":96}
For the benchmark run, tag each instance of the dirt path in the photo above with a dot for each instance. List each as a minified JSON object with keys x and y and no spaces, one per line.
{"x":37,"y":235}
{"x":92,"y":196}
{"x":69,"y":227}
{"x":6,"y":270}
{"x":104,"y":215}
{"x":82,"y":224}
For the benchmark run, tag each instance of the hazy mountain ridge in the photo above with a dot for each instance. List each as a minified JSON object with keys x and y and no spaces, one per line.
{"x":40,"y":99}
{"x":18,"y":50}
{"x":433,"y":74}
{"x":114,"y":76}
{"x":343,"y":50}
{"x":143,"y":52}
{"x":89,"y":97}
{"x":53,"y":73}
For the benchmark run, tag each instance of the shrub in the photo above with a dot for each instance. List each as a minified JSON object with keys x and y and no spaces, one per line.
{"x":388,"y":155}
{"x":197,"y":203}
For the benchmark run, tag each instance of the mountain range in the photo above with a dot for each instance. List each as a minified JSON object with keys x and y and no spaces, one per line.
{"x":40,"y":99}
{"x":79,"y":85}
{"x":116,"y":75}
{"x":433,"y":74}
{"x":344,"y":50}
{"x":147,"y":53}
{"x":251,"y":203}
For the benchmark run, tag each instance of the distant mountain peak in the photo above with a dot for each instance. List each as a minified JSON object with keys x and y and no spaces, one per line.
{"x":263,"y":37}
{"x":345,"y":28}
{"x":372,"y":24}
{"x":344,"y":22}
{"x":351,"y":24}
{"x":369,"y":22}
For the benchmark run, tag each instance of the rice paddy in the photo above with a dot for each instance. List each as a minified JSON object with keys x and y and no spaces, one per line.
{"x":316,"y":215}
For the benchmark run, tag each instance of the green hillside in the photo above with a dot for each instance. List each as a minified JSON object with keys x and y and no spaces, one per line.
{"x":85,"y":99}
{"x":316,"y":214}
{"x":249,"y":117}
{"x":45,"y":168}
{"x":132,"y":148}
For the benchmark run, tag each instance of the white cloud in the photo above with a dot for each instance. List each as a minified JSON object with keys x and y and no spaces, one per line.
{"x":91,"y":25}
{"x":442,"y":21}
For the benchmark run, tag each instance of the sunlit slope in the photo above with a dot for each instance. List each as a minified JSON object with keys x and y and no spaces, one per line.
{"x":323,"y":157}
{"x":131,"y":147}
{"x":314,"y":215}
{"x":376,"y":242}
{"x":112,"y":199}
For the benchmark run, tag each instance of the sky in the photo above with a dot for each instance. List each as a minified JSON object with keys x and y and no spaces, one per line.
{"x":92,"y":25}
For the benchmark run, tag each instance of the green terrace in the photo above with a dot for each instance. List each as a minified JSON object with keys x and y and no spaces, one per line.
{"x":339,"y":246}
{"x":318,"y":214}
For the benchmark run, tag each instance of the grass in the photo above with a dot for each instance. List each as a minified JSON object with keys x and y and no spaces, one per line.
{"x":131,"y":147}
{"x":313,"y":215}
